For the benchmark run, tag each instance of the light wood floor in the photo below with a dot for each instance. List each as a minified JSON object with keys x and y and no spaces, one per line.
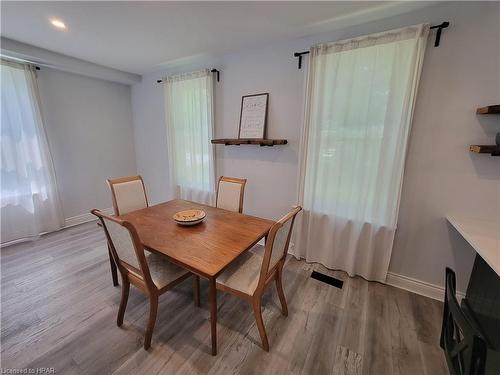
{"x":59,"y":310}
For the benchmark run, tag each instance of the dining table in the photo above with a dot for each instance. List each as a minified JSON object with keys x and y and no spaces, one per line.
{"x":205,"y":249}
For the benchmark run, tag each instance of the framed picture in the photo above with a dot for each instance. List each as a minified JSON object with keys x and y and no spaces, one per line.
{"x":253,"y":116}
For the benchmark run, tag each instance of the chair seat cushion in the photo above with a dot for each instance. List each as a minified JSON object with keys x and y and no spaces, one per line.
{"x":162,"y":271}
{"x":243,"y":274}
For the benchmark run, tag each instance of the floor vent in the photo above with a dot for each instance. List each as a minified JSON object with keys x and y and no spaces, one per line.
{"x":327,"y":279}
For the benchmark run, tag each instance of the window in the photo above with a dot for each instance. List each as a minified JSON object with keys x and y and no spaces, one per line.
{"x":189,"y":113}
{"x":360,"y":99}
{"x":29,"y":200}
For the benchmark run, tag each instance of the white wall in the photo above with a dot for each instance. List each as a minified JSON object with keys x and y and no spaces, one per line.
{"x":150,"y":136}
{"x":89,"y":127}
{"x":51,"y":59}
{"x":441,"y":175}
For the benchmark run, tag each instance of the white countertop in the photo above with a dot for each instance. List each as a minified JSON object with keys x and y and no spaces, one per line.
{"x":483,"y":236}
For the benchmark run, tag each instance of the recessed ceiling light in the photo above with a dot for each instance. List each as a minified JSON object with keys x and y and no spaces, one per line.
{"x":58,"y":23}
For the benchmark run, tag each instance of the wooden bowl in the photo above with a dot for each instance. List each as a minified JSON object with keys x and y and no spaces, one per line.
{"x":189,"y":217}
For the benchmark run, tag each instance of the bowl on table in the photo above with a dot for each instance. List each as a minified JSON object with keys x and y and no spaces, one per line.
{"x":189,"y":217}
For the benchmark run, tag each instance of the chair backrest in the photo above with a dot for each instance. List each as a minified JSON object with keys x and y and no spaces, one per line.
{"x":128,"y":193}
{"x":277,"y":243}
{"x":125,"y":246}
{"x":230,"y":192}
{"x":464,"y":347}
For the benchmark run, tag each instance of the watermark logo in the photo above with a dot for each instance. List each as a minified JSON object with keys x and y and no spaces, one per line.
{"x":28,"y":370}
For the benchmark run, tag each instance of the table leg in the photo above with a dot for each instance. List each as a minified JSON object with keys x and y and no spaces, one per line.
{"x":213,"y":314}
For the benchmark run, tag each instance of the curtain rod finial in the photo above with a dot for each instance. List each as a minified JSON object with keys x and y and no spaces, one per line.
{"x":218,"y":73}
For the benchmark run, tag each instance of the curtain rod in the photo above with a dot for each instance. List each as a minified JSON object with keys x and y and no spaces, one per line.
{"x":20,"y":61}
{"x":212,"y":71}
{"x":440,"y":28}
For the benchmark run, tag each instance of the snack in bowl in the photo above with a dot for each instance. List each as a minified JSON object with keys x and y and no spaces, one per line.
{"x":189,"y":217}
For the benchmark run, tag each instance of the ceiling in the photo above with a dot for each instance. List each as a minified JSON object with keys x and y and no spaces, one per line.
{"x":139,"y":36}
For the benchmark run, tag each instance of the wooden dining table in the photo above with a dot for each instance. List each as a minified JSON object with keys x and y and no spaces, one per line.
{"x":205,"y":249}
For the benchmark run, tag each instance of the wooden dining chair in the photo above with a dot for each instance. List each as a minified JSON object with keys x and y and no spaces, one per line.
{"x":153,"y":274}
{"x":252,"y":273}
{"x":128,"y":194}
{"x":230,"y":192}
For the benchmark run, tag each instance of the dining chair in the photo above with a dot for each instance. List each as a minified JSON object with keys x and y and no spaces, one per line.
{"x":230,"y":192}
{"x":464,"y":345}
{"x":128,"y":194}
{"x":253,"y":272}
{"x":153,"y":274}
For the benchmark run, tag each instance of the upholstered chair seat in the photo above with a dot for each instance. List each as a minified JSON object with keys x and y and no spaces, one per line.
{"x":163,"y":272}
{"x":243,"y":275}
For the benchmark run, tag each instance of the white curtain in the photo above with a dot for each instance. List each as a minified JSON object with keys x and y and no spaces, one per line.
{"x":189,"y":104}
{"x":29,"y":199}
{"x":359,"y":104}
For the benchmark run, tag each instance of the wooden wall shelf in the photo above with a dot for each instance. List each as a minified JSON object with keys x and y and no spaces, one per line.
{"x":485,"y":149}
{"x":260,"y":142}
{"x":489,"y":110}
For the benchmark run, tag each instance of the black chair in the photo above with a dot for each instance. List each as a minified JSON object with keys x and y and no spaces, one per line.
{"x":464,"y":346}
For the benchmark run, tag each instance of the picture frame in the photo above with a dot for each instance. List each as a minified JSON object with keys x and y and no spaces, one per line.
{"x":253,"y":116}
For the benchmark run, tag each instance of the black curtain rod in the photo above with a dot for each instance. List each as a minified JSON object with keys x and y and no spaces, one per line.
{"x":440,"y":27}
{"x":212,"y":71}
{"x":218,"y":74}
{"x":299,"y":55}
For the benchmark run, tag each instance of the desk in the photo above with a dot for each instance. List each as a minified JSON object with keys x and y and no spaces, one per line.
{"x":482,"y":300}
{"x":483,"y":236}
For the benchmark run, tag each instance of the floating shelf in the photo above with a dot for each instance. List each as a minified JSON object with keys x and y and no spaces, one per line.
{"x":489,"y":110}
{"x":485,"y":149}
{"x":260,"y":142}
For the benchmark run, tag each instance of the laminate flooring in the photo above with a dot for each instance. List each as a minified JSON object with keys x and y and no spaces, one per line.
{"x":59,"y":307}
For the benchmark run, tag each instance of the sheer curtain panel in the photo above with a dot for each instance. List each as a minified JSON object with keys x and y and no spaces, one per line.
{"x":189,"y":101}
{"x":29,"y":199}
{"x":359,"y":104}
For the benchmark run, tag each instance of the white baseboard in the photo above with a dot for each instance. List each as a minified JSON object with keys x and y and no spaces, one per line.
{"x":413,"y":285}
{"x":68,"y":222}
{"x":84,"y":218}
{"x":418,"y":286}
